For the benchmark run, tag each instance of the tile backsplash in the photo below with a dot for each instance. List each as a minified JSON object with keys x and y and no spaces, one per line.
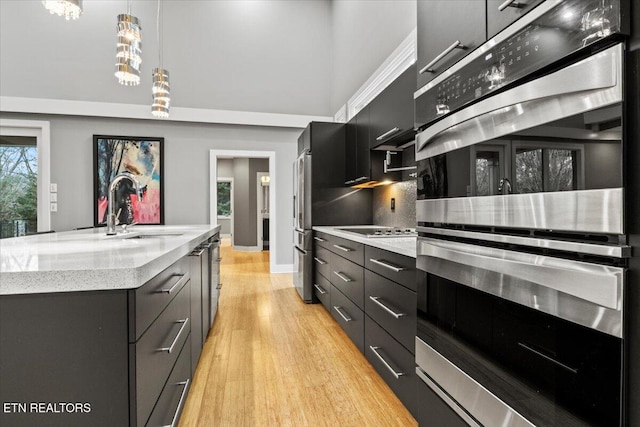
{"x":404,"y":214}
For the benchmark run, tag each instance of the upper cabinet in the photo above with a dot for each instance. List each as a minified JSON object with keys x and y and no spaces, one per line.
{"x":501,"y":13}
{"x":391,"y":112}
{"x":448,"y":30}
{"x":358,"y":162}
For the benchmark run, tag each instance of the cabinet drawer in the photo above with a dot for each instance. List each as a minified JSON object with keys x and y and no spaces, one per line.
{"x":321,"y":259}
{"x":348,"y":249}
{"x":155,"y":354}
{"x":349,"y":317}
{"x":174,"y":394}
{"x":394,"y":363}
{"x":322,"y":239}
{"x":399,"y":268}
{"x":500,"y":17}
{"x":322,"y":290}
{"x":148,"y":301}
{"x":349,"y":278}
{"x":392,"y":306}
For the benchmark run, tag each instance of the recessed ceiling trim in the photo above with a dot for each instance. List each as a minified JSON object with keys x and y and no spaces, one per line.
{"x":134,"y":111}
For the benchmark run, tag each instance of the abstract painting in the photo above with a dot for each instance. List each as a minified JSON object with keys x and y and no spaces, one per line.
{"x":141,"y":157}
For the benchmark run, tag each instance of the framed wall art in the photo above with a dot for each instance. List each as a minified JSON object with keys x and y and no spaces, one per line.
{"x":143,"y":158}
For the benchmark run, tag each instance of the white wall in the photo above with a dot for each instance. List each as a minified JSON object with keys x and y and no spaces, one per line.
{"x":270,"y":56}
{"x":365,"y":33}
{"x":186,"y":167}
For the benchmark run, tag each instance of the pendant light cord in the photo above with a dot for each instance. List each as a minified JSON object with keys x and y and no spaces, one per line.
{"x":159,"y":33}
{"x":129,"y":7}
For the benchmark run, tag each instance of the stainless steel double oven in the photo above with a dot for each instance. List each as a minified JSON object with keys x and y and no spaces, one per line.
{"x":522,"y":250}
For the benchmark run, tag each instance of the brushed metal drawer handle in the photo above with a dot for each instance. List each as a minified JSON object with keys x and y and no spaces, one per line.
{"x":344,"y":316}
{"x":509,"y":3}
{"x":169,"y":349}
{"x":342,"y":276}
{"x":182,"y":279}
{"x":319,"y":261}
{"x":174,"y":420}
{"x":386,"y":265}
{"x":319,"y":239}
{"x":387,"y":133}
{"x":386,"y":364}
{"x":440,"y":57}
{"x":387,"y":309}
{"x":343,"y":248}
{"x":322,"y":291}
{"x":200,"y":252}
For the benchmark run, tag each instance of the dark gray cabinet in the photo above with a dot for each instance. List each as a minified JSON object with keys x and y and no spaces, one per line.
{"x":502,"y":13}
{"x":375,"y":306}
{"x":357,"y":157}
{"x":394,"y":363}
{"x":349,"y":317}
{"x":391,"y":112}
{"x":304,"y":140}
{"x":121,"y":357}
{"x":448,"y":30}
{"x":348,"y":277}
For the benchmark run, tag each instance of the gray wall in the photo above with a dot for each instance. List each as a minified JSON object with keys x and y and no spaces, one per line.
{"x":269,"y":56}
{"x":365,"y":33}
{"x":186,"y":167}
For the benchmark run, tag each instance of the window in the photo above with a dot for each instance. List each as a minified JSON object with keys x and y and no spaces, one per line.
{"x":18,"y":185}
{"x":546,"y":169}
{"x":224,"y":198}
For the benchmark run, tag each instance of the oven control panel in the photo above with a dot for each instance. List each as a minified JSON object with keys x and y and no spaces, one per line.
{"x":564,"y":29}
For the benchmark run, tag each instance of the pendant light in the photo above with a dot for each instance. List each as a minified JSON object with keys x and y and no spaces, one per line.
{"x":128,"y":49}
{"x":70,"y":9}
{"x":160,"y":87}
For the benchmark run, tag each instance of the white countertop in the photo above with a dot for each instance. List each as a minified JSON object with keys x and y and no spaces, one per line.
{"x":89,"y":260}
{"x":400,"y":245}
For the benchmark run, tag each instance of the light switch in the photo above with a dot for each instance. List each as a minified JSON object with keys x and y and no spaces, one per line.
{"x":54,"y":188}
{"x":53,"y":197}
{"x":54,"y":207}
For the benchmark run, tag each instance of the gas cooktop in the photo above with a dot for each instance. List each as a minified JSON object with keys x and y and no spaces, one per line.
{"x":382,"y":231}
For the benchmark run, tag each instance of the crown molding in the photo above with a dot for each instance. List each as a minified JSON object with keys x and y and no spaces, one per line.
{"x":143,"y":112}
{"x":400,"y":59}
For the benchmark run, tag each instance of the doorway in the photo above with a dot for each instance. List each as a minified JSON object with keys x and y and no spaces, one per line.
{"x":225,"y":207}
{"x":262,"y":202}
{"x":246,"y":214}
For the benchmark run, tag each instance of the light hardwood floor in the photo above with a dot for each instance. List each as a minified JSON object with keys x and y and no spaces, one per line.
{"x":272,"y":360}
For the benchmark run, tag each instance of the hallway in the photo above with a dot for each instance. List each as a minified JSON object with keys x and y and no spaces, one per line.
{"x":272,"y":360}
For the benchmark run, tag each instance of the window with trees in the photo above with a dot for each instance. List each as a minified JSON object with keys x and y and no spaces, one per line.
{"x":18,"y":186}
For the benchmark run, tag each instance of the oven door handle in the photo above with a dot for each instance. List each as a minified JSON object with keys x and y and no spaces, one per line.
{"x":529,"y":104}
{"x":598,"y":284}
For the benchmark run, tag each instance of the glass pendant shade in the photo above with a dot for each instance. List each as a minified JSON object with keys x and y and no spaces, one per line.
{"x":161,"y":95}
{"x":70,"y":9}
{"x":128,"y":50}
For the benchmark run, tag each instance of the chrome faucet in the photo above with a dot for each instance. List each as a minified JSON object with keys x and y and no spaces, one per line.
{"x":505,"y":186}
{"x":111,"y":217}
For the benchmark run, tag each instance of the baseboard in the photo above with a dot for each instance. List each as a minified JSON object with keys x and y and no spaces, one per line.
{"x":247,"y":248}
{"x":225,"y":235}
{"x":282,"y":268}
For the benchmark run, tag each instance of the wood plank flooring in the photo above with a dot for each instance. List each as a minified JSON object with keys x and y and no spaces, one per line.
{"x":271,"y":360}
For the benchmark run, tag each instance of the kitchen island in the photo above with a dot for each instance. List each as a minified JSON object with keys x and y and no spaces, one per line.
{"x":96,"y":329}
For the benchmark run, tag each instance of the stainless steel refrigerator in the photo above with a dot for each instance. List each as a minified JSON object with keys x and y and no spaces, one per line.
{"x":320,"y":196}
{"x":302,"y":277}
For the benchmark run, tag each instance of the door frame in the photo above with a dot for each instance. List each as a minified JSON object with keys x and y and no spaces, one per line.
{"x":41,"y":130}
{"x":259,"y":207}
{"x":213,"y":191}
